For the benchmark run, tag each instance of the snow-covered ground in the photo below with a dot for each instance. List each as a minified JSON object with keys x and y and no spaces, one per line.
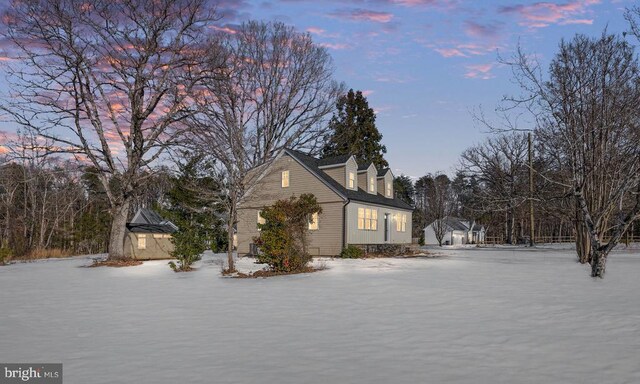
{"x":490,"y":315}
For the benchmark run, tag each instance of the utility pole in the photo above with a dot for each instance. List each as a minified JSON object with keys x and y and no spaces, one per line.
{"x":531,"y":222}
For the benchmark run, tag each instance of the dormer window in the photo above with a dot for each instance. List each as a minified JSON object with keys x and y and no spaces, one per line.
{"x":352,"y":180}
{"x":285,"y":179}
{"x":388,"y":189}
{"x":372,"y":184}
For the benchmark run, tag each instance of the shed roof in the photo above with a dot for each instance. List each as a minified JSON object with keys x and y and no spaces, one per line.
{"x":149,"y":221}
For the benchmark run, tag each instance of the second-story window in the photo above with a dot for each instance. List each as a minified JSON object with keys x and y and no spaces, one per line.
{"x":285,"y":179}
{"x":372,"y":184}
{"x":352,"y":180}
{"x":388,"y":189}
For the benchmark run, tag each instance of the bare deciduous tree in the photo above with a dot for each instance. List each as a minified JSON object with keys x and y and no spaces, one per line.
{"x":588,"y":118}
{"x":107,"y":81}
{"x":272,"y":88}
{"x":500,"y":166}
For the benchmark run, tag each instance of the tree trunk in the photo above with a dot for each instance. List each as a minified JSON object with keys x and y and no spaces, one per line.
{"x":118,"y":231}
{"x":598,"y":263}
{"x":230,"y":222}
{"x":583,"y":244}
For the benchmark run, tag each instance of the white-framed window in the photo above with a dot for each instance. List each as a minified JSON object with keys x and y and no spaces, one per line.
{"x":372,"y":184}
{"x":404,"y":223}
{"x":157,"y":235}
{"x":285,"y":179}
{"x":352,"y":180}
{"x":261,"y":219}
{"x":142,"y":241}
{"x":313,"y":223}
{"x":388,"y":189}
{"x":374,"y":219}
{"x":368,"y":219}
{"x":398,"y":218}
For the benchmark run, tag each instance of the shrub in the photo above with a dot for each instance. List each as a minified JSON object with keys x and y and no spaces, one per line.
{"x":189,"y":244}
{"x":421,"y":240}
{"x":283,"y":236}
{"x":351,"y":252}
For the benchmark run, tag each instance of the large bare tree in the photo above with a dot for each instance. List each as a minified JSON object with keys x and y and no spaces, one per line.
{"x":588,"y":118}
{"x":272,"y":88}
{"x":107,"y":81}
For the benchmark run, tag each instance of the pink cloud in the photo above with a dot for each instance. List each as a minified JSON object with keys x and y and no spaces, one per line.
{"x":225,"y":29}
{"x":316,"y":30}
{"x":577,"y":21}
{"x":450,"y":52}
{"x":543,"y":14}
{"x":479,"y":71}
{"x":363,"y":15}
{"x":367,"y":92}
{"x":336,"y":46}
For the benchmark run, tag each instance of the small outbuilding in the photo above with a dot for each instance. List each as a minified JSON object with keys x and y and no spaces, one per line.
{"x":456,"y":231}
{"x":149,"y":236}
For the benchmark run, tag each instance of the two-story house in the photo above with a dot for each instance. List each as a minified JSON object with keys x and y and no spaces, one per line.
{"x":359,"y":206}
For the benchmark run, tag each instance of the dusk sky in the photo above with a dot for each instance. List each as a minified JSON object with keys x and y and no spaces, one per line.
{"x":426,"y":64}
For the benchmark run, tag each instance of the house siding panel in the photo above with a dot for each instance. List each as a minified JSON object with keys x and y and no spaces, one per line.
{"x":327,"y":240}
{"x":156,"y":248}
{"x":360,"y":236}
{"x":338,"y":174}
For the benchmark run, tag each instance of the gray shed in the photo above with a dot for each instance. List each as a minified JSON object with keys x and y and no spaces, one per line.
{"x":149,"y":236}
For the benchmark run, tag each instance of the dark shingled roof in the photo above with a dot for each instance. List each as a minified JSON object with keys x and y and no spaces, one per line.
{"x":364,"y":167}
{"x":149,"y":221}
{"x":382,"y":172}
{"x":333,"y":160}
{"x":359,"y":195}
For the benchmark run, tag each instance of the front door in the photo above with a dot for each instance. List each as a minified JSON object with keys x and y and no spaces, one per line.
{"x":386,"y":227}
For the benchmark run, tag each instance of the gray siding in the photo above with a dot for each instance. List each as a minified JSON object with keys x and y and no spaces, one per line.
{"x":361,"y":236}
{"x":156,"y":247}
{"x":338,"y":174}
{"x":327,"y":240}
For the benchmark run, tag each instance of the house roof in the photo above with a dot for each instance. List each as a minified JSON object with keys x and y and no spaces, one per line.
{"x":456,"y":223}
{"x":360,"y":195}
{"x":149,"y":221}
{"x":460,"y":224}
{"x":383,"y":171}
{"x":335,"y":160}
{"x":364,"y":167}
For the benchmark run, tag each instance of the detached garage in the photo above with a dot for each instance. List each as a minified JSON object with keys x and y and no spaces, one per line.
{"x":149,"y":236}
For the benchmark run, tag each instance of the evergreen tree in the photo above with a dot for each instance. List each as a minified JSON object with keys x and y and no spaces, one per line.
{"x":197,"y":216}
{"x":403,"y":186}
{"x":354,"y":131}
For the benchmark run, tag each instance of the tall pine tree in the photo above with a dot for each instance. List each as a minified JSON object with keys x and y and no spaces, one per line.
{"x":354,"y":131}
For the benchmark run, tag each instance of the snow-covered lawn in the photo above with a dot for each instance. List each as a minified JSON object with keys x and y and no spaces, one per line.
{"x":494,"y":315}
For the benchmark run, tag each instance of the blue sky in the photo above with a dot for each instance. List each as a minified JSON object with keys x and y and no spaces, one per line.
{"x":426,"y":64}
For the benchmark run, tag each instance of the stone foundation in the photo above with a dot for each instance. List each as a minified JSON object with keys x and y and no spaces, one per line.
{"x":386,"y":249}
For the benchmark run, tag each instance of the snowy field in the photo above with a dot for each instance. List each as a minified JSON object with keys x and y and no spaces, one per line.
{"x":493,"y":315}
